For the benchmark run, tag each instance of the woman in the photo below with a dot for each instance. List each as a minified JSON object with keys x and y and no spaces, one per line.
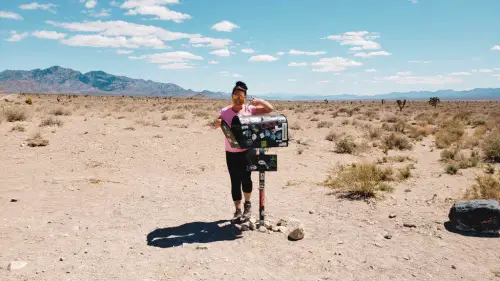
{"x":236,"y":159}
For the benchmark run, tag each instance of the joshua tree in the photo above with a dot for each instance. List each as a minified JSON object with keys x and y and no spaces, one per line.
{"x":434,"y":101}
{"x":401,"y":104}
{"x":383,"y":101}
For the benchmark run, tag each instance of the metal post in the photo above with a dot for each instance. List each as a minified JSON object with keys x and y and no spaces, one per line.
{"x":261,"y":191}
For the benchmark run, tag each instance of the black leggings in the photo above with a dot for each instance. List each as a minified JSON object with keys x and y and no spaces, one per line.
{"x":237,"y":163}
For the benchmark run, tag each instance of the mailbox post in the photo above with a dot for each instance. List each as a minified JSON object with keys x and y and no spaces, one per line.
{"x":258,"y":132}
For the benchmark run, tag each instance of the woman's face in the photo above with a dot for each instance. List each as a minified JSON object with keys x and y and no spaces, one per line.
{"x":239,"y":98}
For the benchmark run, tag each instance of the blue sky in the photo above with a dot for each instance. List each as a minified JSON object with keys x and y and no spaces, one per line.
{"x":285,"y":46}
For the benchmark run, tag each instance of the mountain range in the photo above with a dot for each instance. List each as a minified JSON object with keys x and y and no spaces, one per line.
{"x":57,"y":79}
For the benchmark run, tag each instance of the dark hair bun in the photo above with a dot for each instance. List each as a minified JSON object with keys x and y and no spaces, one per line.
{"x":242,"y":85}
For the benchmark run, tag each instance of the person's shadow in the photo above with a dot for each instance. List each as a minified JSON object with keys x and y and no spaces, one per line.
{"x":193,"y":232}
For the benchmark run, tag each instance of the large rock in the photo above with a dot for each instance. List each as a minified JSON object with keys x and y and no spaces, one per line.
{"x":476,"y":215}
{"x":297,"y":234}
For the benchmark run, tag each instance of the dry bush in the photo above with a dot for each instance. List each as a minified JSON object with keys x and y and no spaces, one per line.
{"x":391,"y":118}
{"x":37,"y":140}
{"x":164,"y":117}
{"x":345,"y":145}
{"x":332,"y":136}
{"x":360,"y":181}
{"x":295,"y":126}
{"x":13,"y":114}
{"x":451,"y":170}
{"x":179,"y":116}
{"x":314,"y":119}
{"x":449,"y":133}
{"x":396,"y":140}
{"x":202,"y":114}
{"x":405,"y":172}
{"x":486,"y":187}
{"x":325,"y":124}
{"x":491,"y":147}
{"x":60,"y":111}
{"x":374,"y":133}
{"x":50,"y":121}
{"x":18,"y":128}
{"x":426,"y":118}
{"x":480,"y":131}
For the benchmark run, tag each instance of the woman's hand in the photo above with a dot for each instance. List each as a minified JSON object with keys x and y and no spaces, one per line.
{"x":215,"y":124}
{"x":262,"y":106}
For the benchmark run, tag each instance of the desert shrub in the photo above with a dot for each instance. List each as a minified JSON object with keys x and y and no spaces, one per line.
{"x":448,"y":154}
{"x":60,"y":111}
{"x":450,"y":169}
{"x":360,"y":180}
{"x":164,"y":117}
{"x":18,"y":128}
{"x":396,"y":140}
{"x":490,"y":169}
{"x":332,"y":136}
{"x":179,"y":116}
{"x":449,"y":133}
{"x":50,"y":121}
{"x":405,"y":172}
{"x":13,"y":114}
{"x":480,"y":131}
{"x":325,"y":124}
{"x":37,"y":140}
{"x":345,"y":145}
{"x":314,"y":119}
{"x":295,"y":126}
{"x":374,"y":133}
{"x":485,"y":187}
{"x":491,"y":147}
{"x":29,"y":101}
{"x":464,"y":116}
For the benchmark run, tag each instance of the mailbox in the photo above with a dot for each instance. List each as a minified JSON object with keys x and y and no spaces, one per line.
{"x":257,"y":131}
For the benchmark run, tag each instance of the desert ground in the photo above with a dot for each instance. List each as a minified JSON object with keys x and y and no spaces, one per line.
{"x":85,"y":180}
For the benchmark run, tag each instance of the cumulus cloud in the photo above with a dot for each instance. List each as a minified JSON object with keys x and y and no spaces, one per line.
{"x":370,"y":70}
{"x":10,"y":15}
{"x":224,"y":26}
{"x":297,"y":64}
{"x":15,"y":37}
{"x":361,"y":40}
{"x":483,"y":70}
{"x":221,"y":52}
{"x":334,"y":64}
{"x":102,"y":14}
{"x":280,"y":53}
{"x":209,"y":42}
{"x":213,"y":62}
{"x":496,"y":48}
{"x":36,"y":6}
{"x":298,"y":52}
{"x":372,"y":54}
{"x":403,"y":73}
{"x":90,"y":4}
{"x":44,"y":34}
{"x":124,"y":52}
{"x":459,"y":74}
{"x":248,"y":51}
{"x":229,"y":74}
{"x":171,"y":57}
{"x":176,"y":66}
{"x":425,"y":80}
{"x":419,"y":61}
{"x":155,"y":8}
{"x":324,"y":81}
{"x":262,"y":58}
{"x":114,"y":42}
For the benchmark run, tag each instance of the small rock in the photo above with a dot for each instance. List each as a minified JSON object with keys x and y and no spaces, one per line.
{"x":282,"y":229}
{"x":311,"y":212}
{"x":407,"y":190}
{"x":13,"y":200}
{"x":252,"y":226}
{"x":454,"y":267}
{"x":411,"y":225}
{"x":23,"y":145}
{"x":204,"y":247}
{"x":16,"y":265}
{"x":262,"y":229}
{"x":282,"y":222}
{"x":340,"y":242}
{"x":392,"y":215}
{"x":268,"y":225}
{"x":414,"y":275}
{"x":406,"y":258}
{"x":253,"y":220}
{"x":61,"y":259}
{"x":275,"y":228}
{"x":297,"y":234}
{"x":388,"y":236}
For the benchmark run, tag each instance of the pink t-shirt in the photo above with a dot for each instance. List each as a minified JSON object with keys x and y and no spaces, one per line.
{"x":227,"y":115}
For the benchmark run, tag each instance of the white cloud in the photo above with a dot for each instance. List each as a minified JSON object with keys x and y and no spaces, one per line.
{"x":114,"y":3}
{"x":176,"y":66}
{"x":224,"y":26}
{"x":44,"y":34}
{"x":228,"y":74}
{"x":36,"y":6}
{"x":419,"y":61}
{"x":496,"y":48}
{"x":372,"y":54}
{"x":90,"y":4}
{"x":292,"y":80}
{"x":496,"y":69}
{"x":334,"y":64}
{"x":15,"y":37}
{"x":280,"y":53}
{"x":324,"y":81}
{"x":213,"y":62}
{"x":413,"y":1}
{"x":154,"y":8}
{"x":297,"y":64}
{"x":102,"y":14}
{"x":362,"y":40}
{"x":482,"y":70}
{"x":370,"y":70}
{"x":114,"y":42}
{"x":209,"y":42}
{"x":404,"y":73}
{"x":427,"y":80}
{"x":123,"y":28}
{"x":124,"y":52}
{"x":459,"y":74}
{"x":221,"y":53}
{"x":171,"y":57}
{"x":10,"y":15}
{"x":297,"y":52}
{"x":248,"y":51}
{"x":496,"y":75}
{"x":261,"y":58}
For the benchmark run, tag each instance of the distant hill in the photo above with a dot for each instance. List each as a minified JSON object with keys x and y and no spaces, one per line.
{"x":57,"y":79}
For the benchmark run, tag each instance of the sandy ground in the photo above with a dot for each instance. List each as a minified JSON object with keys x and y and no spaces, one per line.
{"x":87,"y":202}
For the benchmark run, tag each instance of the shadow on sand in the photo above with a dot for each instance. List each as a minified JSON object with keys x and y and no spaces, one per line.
{"x":451,"y":228}
{"x":193,"y":232}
